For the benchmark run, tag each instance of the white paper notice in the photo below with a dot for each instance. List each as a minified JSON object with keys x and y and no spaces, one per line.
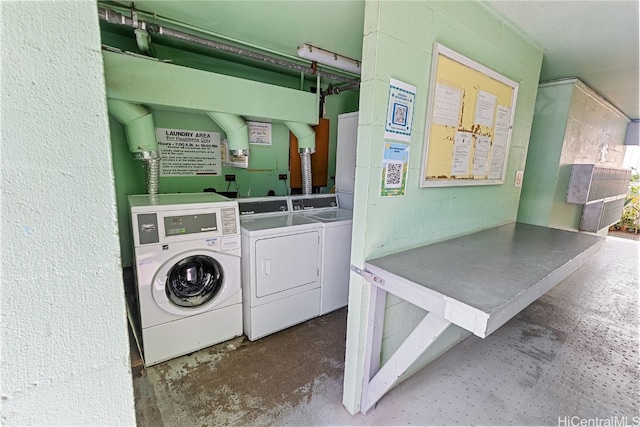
{"x":497,"y":161}
{"x":500,"y":137}
{"x":399,"y":121}
{"x":188,"y":152}
{"x":259,"y":133}
{"x":446,"y":105}
{"x":502,"y":116}
{"x":229,"y":159}
{"x":461,"y":153}
{"x":485,"y":108}
{"x":481,"y":155}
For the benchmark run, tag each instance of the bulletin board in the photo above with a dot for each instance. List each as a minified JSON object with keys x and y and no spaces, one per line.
{"x":470,"y":117}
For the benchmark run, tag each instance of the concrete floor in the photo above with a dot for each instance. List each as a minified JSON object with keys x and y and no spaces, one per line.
{"x":570,"y":356}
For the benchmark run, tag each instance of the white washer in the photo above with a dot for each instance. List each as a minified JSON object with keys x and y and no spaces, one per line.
{"x":337,"y":225}
{"x":187,"y":251}
{"x":281,"y":259}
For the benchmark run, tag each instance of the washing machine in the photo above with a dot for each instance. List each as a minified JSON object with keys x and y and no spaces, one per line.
{"x":281,"y":262}
{"x":187,"y":250}
{"x":337,"y":225}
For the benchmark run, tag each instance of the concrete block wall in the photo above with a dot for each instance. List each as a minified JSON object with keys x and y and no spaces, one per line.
{"x":398,"y":43}
{"x":65,"y":351}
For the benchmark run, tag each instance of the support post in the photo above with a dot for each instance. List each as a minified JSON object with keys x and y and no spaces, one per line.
{"x":430,"y":328}
{"x":373,"y":338}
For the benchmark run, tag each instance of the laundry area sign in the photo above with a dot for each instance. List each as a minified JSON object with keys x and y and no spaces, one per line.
{"x":189,"y":152}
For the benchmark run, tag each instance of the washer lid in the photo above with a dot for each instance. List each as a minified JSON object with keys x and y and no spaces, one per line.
{"x":271,"y":222}
{"x":332,"y":215}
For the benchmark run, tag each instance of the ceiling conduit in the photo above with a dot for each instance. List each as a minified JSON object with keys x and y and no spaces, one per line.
{"x":113,"y":17}
{"x":141,"y":137}
{"x":306,"y":147}
{"x":236,"y":129}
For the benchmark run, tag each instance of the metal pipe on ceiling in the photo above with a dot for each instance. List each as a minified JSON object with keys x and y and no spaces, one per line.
{"x":119,"y":19}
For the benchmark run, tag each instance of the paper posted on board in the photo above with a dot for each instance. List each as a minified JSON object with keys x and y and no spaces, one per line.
{"x":481,"y":155}
{"x":446,"y":105}
{"x":485,"y":108}
{"x":461,"y":154}
{"x":500,"y":138}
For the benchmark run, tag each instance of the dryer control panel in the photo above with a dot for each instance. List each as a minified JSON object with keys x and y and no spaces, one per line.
{"x":319,"y":201}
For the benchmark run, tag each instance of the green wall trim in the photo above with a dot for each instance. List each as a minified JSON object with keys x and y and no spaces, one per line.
{"x":154,"y":83}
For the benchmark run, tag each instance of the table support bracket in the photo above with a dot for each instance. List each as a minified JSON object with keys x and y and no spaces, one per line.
{"x":379,"y":380}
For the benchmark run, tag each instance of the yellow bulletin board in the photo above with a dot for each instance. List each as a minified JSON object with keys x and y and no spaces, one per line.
{"x":469,"y":122}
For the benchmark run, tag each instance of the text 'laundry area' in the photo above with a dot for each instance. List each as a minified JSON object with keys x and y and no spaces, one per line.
{"x":315,"y":212}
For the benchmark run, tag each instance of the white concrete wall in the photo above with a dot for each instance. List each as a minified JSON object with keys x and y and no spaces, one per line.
{"x":64,"y":337}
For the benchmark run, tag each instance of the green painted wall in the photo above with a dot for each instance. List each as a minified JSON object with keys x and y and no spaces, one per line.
{"x":571,"y":125}
{"x":266,"y":162}
{"x":545,"y":146}
{"x":398,"y":42}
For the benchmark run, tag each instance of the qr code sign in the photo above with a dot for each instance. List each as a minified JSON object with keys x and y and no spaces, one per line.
{"x":399,"y":115}
{"x":393,"y":177}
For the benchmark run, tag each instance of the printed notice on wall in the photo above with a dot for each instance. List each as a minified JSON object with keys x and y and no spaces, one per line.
{"x":497,"y":159}
{"x":461,"y":153}
{"x":500,"y":139}
{"x":402,"y":99}
{"x":481,"y":155}
{"x":230,"y":160}
{"x":469,"y":118}
{"x":395,"y":163}
{"x":485,"y":109}
{"x":259,"y":133}
{"x":188,"y":152}
{"x":446,"y":105}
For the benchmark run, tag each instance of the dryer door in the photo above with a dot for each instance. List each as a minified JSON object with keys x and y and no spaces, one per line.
{"x":195,"y":282}
{"x":287,"y":262}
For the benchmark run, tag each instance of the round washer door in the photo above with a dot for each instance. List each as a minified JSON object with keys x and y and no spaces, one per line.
{"x":192,"y":283}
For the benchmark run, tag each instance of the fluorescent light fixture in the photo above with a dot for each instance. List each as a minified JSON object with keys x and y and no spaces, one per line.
{"x":322,"y":56}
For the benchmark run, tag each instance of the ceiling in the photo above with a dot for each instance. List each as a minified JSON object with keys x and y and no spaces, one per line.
{"x":595,"y":41}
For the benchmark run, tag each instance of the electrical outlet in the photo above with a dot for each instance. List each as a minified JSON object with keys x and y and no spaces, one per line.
{"x":229,"y":177}
{"x":518,"y":181}
{"x":282,"y":177}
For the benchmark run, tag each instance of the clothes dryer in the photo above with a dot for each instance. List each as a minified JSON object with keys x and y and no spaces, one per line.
{"x":281,"y":259}
{"x":337,"y":226}
{"x":187,"y":251}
